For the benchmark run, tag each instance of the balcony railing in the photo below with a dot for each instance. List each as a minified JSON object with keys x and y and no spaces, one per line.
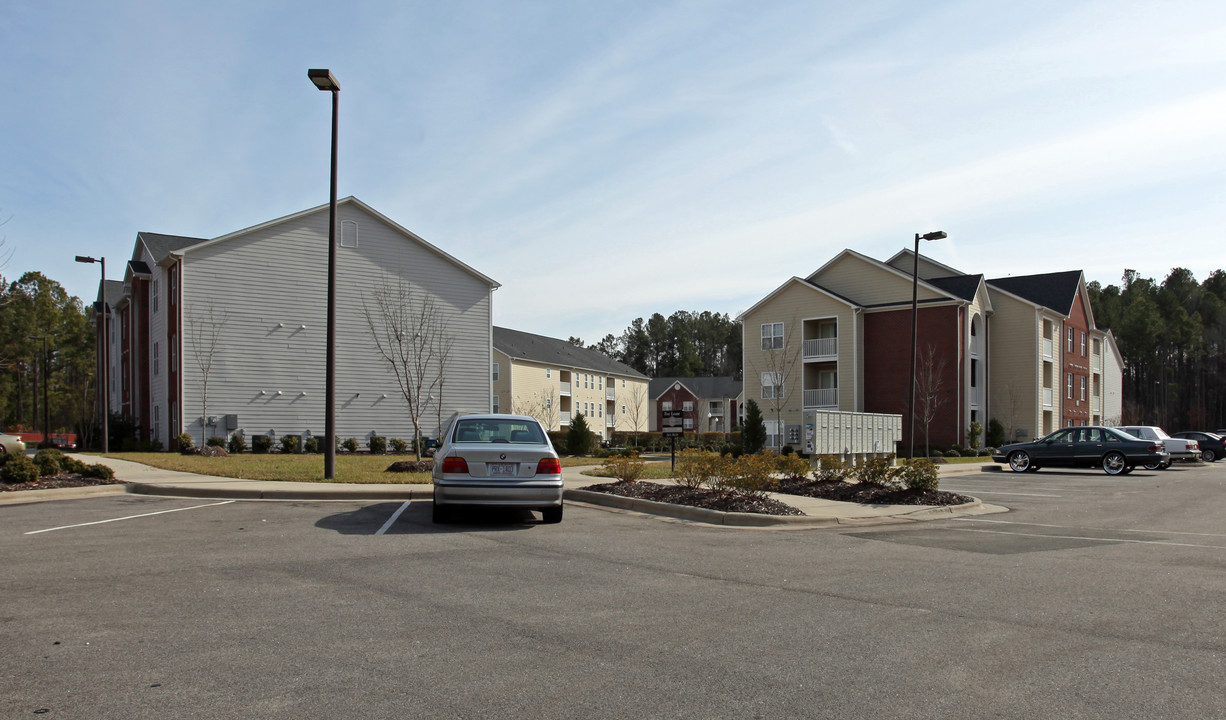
{"x":564,"y":388}
{"x":610,"y":421}
{"x":565,"y":417}
{"x":821,"y":347}
{"x":1048,"y":348}
{"x":610,"y":394}
{"x":1096,"y":405}
{"x":825,"y":397}
{"x":1047,"y":397}
{"x":715,"y":412}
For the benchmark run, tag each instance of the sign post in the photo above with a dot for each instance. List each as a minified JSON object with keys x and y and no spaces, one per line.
{"x":672,"y":426}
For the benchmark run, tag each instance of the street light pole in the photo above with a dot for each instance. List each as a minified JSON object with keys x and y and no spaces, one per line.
{"x":42,"y":366}
{"x":326,"y":81}
{"x":101,"y":308}
{"x":938,"y":235}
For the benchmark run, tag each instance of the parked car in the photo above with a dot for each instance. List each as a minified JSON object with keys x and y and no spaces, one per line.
{"x":1117,"y":453}
{"x":1212,"y":445}
{"x":497,"y":460}
{"x":11,"y":444}
{"x":62,"y":443}
{"x":1179,"y":448}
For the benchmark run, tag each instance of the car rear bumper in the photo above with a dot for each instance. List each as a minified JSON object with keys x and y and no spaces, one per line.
{"x":537,"y":493}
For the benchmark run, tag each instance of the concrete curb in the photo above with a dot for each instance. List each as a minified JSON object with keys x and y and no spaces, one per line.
{"x":25,"y":497}
{"x":752,"y":520}
{"x":324,"y":492}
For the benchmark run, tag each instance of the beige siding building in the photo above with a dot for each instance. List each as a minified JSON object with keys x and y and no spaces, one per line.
{"x":553,"y":381}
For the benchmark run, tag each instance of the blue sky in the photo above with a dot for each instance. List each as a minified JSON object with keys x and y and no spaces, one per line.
{"x":604,"y":161}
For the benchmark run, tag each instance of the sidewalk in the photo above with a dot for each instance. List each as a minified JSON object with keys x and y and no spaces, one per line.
{"x":146,"y":480}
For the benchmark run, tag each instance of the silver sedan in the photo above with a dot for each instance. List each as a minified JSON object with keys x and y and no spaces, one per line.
{"x":11,"y":444}
{"x":497,"y":460}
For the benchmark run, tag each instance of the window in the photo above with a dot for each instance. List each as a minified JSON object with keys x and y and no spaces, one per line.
{"x":1083,"y":387}
{"x":548,"y":372}
{"x":1070,"y":339}
{"x":495,"y":408}
{"x":174,"y":287}
{"x":156,"y":429}
{"x":689,"y":423}
{"x":174,"y":356}
{"x":1068,"y":386}
{"x":153,"y":296}
{"x":600,"y":383}
{"x":667,"y":406}
{"x":974,"y":373}
{"x":688,"y":406}
{"x":349,"y":234}
{"x":716,"y":407}
{"x":600,"y":411}
{"x":772,"y":336}
{"x":623,"y":382}
{"x":495,"y":373}
{"x":772,"y":386}
{"x":1083,"y":344}
{"x":549,"y":403}
{"x":623,"y":409}
{"x":155,"y":361}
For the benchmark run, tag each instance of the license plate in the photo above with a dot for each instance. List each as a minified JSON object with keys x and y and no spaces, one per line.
{"x":503,"y":469}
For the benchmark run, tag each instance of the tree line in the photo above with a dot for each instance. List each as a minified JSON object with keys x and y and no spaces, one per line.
{"x":685,"y":344}
{"x":1172,"y":336}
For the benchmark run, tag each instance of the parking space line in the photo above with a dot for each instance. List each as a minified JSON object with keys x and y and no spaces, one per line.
{"x":393,"y":518}
{"x":1097,"y":529}
{"x":1098,"y":539}
{"x":129,"y":517}
{"x":995,"y":492}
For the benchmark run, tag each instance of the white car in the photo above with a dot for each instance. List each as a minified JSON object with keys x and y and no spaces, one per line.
{"x":11,"y":444}
{"x":497,"y":460}
{"x":1179,"y":448}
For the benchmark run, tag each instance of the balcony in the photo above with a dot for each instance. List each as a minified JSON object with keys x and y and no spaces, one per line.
{"x":564,"y":389}
{"x":1048,"y":348}
{"x":610,"y":394}
{"x":1047,"y":397}
{"x":1096,"y":405}
{"x":822,"y":398}
{"x":565,"y":417}
{"x":824,"y":348}
{"x":610,"y":421}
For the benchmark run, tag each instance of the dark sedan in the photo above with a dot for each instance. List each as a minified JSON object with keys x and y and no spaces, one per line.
{"x":1212,"y":445}
{"x":1117,"y":453}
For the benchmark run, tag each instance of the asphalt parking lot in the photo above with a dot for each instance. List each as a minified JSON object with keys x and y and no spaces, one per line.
{"x":1094,"y":597}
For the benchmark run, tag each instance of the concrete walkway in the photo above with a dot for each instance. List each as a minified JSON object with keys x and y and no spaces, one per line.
{"x":146,"y":480}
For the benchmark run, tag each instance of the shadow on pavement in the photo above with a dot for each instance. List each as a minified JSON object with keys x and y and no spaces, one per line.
{"x":370,"y":519}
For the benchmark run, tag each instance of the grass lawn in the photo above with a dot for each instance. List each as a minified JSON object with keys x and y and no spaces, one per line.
{"x":356,"y":468}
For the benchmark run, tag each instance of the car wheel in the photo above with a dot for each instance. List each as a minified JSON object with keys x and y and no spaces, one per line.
{"x":1019,"y":461}
{"x":1114,"y":463}
{"x":1208,"y":455}
{"x":2,"y":450}
{"x":551,"y":515}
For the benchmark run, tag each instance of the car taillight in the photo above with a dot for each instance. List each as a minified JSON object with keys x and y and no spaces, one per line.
{"x":549,"y":466}
{"x":1156,"y":448}
{"x":455,"y":465}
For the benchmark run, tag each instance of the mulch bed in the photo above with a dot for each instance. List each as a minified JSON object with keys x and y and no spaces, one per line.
{"x":695,"y":497}
{"x":63,"y":480}
{"x":827,"y":490}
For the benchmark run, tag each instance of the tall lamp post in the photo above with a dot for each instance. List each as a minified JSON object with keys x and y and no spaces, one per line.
{"x":106,"y":353}
{"x":326,"y":81}
{"x":42,"y":366}
{"x":938,"y":235}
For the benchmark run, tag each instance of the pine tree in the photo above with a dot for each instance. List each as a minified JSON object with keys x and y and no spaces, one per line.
{"x":753,"y":433}
{"x":578,"y":437}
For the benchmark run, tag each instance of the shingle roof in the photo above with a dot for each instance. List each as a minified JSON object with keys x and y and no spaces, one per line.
{"x":702,"y":387}
{"x":538,"y":348}
{"x":162,"y":245}
{"x":962,"y":286}
{"x":114,"y":292}
{"x":1051,"y":290}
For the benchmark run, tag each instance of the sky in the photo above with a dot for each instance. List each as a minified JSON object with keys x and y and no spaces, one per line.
{"x":606,"y":161}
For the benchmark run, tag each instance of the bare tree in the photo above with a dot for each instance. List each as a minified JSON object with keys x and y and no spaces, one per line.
{"x":930,"y":392}
{"x":410,"y":333}
{"x":543,"y":405}
{"x":206,"y":328}
{"x":637,"y":410}
{"x":780,"y":373}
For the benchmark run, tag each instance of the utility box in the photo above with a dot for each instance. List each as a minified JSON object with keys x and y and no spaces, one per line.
{"x":231,"y":422}
{"x":850,"y":435}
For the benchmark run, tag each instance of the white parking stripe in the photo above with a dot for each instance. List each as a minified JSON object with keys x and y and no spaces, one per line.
{"x":1095,"y":539}
{"x":129,"y":517}
{"x":392,"y":519}
{"x":1095,"y":529}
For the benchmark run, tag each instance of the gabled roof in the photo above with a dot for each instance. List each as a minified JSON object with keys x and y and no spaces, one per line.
{"x":162,"y":245}
{"x":891,"y":269}
{"x":1055,"y":291}
{"x":138,"y":267}
{"x":345,"y":201}
{"x":963,"y":286}
{"x":906,"y":257}
{"x":806,"y":283}
{"x":551,"y":351}
{"x":700,"y":387}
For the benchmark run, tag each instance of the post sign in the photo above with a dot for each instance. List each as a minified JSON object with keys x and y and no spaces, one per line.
{"x":672,"y":424}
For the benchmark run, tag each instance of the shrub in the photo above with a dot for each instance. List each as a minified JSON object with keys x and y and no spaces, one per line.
{"x":399,"y":445}
{"x":626,"y":468}
{"x":311,"y":445}
{"x":350,"y":445}
{"x":72,"y":465}
{"x":919,"y":474}
{"x":996,"y":433}
{"x":49,"y":461}
{"x":752,"y":475}
{"x":696,"y":468}
{"x":793,"y":466}
{"x":237,"y":444}
{"x":986,"y":451}
{"x":185,"y":441}
{"x":261,"y":444}
{"x":578,"y":438}
{"x":976,"y":430}
{"x":19,"y":469}
{"x":215,"y":441}
{"x":878,"y":471}
{"x":952,"y":452}
{"x":831,"y":468}
{"x":377,"y":444}
{"x":98,"y":470}
{"x":290,"y":443}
